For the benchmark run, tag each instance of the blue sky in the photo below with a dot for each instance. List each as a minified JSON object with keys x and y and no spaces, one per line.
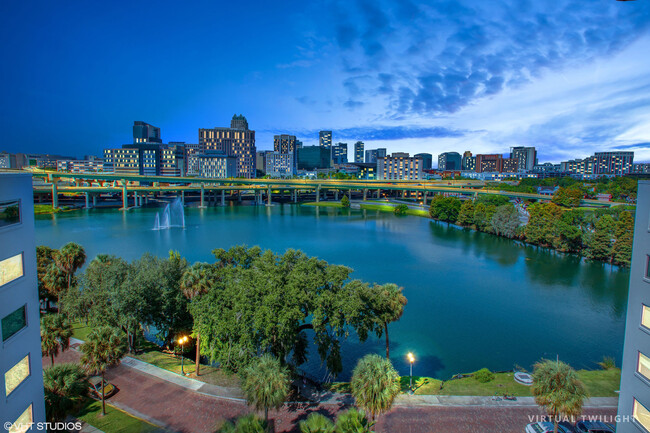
{"x":569,"y":77}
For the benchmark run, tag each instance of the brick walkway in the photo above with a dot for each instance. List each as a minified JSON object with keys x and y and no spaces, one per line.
{"x":183,"y":410}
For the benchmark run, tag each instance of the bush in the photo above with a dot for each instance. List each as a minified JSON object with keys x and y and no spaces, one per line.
{"x":607,"y":363}
{"x":345,"y":201}
{"x":484,"y":375}
{"x":400,"y":209}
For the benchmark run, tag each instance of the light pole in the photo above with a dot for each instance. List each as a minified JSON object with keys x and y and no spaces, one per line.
{"x":411,"y":359}
{"x":182,"y":341}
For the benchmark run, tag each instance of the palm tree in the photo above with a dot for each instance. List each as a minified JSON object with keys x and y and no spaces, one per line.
{"x":390,"y":303}
{"x":54,"y":281}
{"x":104,"y":347}
{"x":375,"y":384}
{"x":196,"y":281}
{"x":316,"y":423}
{"x":245,"y":424}
{"x":56,"y":331}
{"x":353,"y":421}
{"x":558,"y":389}
{"x":66,"y":388}
{"x":266,"y":384}
{"x":69,"y":258}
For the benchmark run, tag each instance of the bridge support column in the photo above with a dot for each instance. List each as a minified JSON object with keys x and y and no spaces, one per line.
{"x":424,"y":197}
{"x":94,"y":200}
{"x":87,"y":200}
{"x":365,"y":194}
{"x":268,"y":197}
{"x":336,"y":194}
{"x":223,"y":197}
{"x":202,"y":196}
{"x":135,"y":199}
{"x":182,"y":198}
{"x":125,"y":197}
{"x":403,"y":193}
{"x":55,"y":196}
{"x":378,"y":193}
{"x":317,"y":193}
{"x":295,"y":195}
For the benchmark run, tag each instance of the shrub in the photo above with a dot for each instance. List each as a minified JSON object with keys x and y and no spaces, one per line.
{"x":400,"y":209}
{"x":607,"y":363}
{"x":484,"y":375}
{"x":345,"y":201}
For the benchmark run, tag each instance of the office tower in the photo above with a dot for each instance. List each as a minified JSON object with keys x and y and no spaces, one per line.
{"x":634,"y":397}
{"x":468,"y":162}
{"x":5,"y":160}
{"x":313,"y":157}
{"x":581,"y":167}
{"x":172,"y":159}
{"x":526,"y":157}
{"x":145,"y":133}
{"x":616,"y":163}
{"x":192,"y":152}
{"x":510,"y":165}
{"x":21,"y":371}
{"x":427,"y":160}
{"x":358,"y":151}
{"x":286,"y":143}
{"x":489,"y":163}
{"x":325,"y":139}
{"x":449,"y":161}
{"x":237,"y":141}
{"x":216,"y":165}
{"x":279,"y":164}
{"x":340,"y":153}
{"x":372,"y":155}
{"x":399,"y":166}
{"x":260,"y":161}
{"x":123,"y":161}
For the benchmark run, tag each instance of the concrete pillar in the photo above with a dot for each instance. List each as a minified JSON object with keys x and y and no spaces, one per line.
{"x":424,"y":197}
{"x":365,"y":194}
{"x":183,"y":198}
{"x":403,"y":193}
{"x":125,"y":197}
{"x":336,"y":194}
{"x":378,"y":193}
{"x":317,"y":193}
{"x":268,"y":197}
{"x":239,"y":196}
{"x":87,"y":201}
{"x":94,"y":200}
{"x":223,"y":197}
{"x":295,"y":195}
{"x":55,"y":196}
{"x":135,"y":198}
{"x":202,"y":195}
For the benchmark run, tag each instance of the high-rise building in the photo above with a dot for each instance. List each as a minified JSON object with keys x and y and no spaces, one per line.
{"x":634,"y":397}
{"x":237,"y":141}
{"x":526,"y":157}
{"x":192,"y":152}
{"x":122,"y":161}
{"x":286,"y":143}
{"x":279,"y":164}
{"x":579,"y":166}
{"x":213,"y":164}
{"x":340,"y":153}
{"x":260,"y":161}
{"x":372,"y":155}
{"x":358,"y":152}
{"x":325,"y":139}
{"x":427,"y":160}
{"x":21,"y":370}
{"x":5,"y":160}
{"x":615,"y":163}
{"x":641,"y":168}
{"x":172,"y":160}
{"x":399,"y":166}
{"x":145,"y":133}
{"x":449,"y":161}
{"x":313,"y":157}
{"x":468,"y":162}
{"x":489,"y":163}
{"x":510,"y":165}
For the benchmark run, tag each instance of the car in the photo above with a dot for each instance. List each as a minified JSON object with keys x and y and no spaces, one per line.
{"x":545,"y":427}
{"x":96,"y":388}
{"x":593,"y":427}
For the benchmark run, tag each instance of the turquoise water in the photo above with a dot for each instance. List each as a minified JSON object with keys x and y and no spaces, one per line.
{"x":475,"y":300}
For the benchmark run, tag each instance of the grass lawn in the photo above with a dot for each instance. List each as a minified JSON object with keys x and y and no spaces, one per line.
{"x":323,"y":204}
{"x":44,"y":209}
{"x":115,"y":420}
{"x":80,"y":330}
{"x":389,"y":208}
{"x":601,"y":383}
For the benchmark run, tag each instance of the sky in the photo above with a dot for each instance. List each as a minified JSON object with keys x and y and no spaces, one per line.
{"x":568,"y":77}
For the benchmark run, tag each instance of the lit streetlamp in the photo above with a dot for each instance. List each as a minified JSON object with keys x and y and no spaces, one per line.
{"x":411,"y":359}
{"x":182,"y":341}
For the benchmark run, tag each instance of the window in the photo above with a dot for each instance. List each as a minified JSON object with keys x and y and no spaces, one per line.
{"x":647,"y":268}
{"x":10,"y":269}
{"x":9,"y":213}
{"x":641,"y":414}
{"x":13,"y":323}
{"x":23,"y":423}
{"x":645,"y":316}
{"x":643,"y":366}
{"x":16,"y":375}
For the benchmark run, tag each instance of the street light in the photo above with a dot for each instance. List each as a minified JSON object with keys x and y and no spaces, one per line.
{"x":411,"y":360}
{"x":182,"y":341}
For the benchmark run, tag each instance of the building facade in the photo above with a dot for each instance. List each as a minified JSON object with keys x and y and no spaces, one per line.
{"x":217,"y":165}
{"x":145,"y":133}
{"x":489,"y":163}
{"x":21,"y":371}
{"x":525,"y":156}
{"x":372,"y":155}
{"x":614,"y":163}
{"x":399,"y":167}
{"x":313,"y":157}
{"x":449,"y":161}
{"x":172,"y":160}
{"x":580,"y":167}
{"x":237,"y":141}
{"x":634,"y":397}
{"x":510,"y":165}
{"x":125,"y":161}
{"x":468,"y":163}
{"x":325,"y":139}
{"x":279,"y":164}
{"x":340,"y":153}
{"x":427,"y":160}
{"x":358,"y":152}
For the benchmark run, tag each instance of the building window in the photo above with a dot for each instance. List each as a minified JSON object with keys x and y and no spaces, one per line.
{"x":645,"y":316}
{"x":13,"y":322}
{"x":23,"y":423}
{"x":16,"y":375}
{"x":641,"y":414}
{"x":9,"y":213}
{"x":10,"y":269}
{"x":643,"y":366}
{"x":647,"y":268}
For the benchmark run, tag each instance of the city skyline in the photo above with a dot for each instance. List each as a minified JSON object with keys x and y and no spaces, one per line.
{"x":396,"y":75}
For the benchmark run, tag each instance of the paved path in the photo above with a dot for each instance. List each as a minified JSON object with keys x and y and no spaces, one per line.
{"x":176,"y":407}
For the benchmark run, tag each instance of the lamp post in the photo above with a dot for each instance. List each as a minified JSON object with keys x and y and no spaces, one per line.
{"x":182,"y":341}
{"x":411,"y":359}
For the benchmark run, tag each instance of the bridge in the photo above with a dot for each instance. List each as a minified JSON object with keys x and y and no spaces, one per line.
{"x":141,"y":188}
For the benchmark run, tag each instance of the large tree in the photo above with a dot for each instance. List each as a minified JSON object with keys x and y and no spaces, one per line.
{"x":558,"y":389}
{"x":43,"y":262}
{"x":66,"y":388}
{"x":266,"y":384}
{"x":384,"y":304}
{"x":375,"y":384}
{"x":69,"y":258}
{"x":505,"y":221}
{"x":105,"y":347}
{"x":56,"y":331}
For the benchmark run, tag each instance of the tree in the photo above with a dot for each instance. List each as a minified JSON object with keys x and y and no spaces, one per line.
{"x":444,"y":208}
{"x":54,"y":281}
{"x":568,"y":197}
{"x":245,"y":424}
{"x":69,"y":258}
{"x":353,"y":421}
{"x":316,"y":423}
{"x":400,"y":209}
{"x":43,"y":262}
{"x":105,"y":347}
{"x":557,"y":388}
{"x":345,"y":201}
{"x":66,"y":388}
{"x":266,"y":384}
{"x":624,"y":233}
{"x":599,"y":243}
{"x":385,"y":304}
{"x":374,"y":384}
{"x":505,"y":221}
{"x":196,"y":281}
{"x":55,"y":334}
{"x":466,"y":213}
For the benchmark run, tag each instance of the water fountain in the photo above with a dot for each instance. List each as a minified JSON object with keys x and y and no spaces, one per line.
{"x":173,"y":216}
